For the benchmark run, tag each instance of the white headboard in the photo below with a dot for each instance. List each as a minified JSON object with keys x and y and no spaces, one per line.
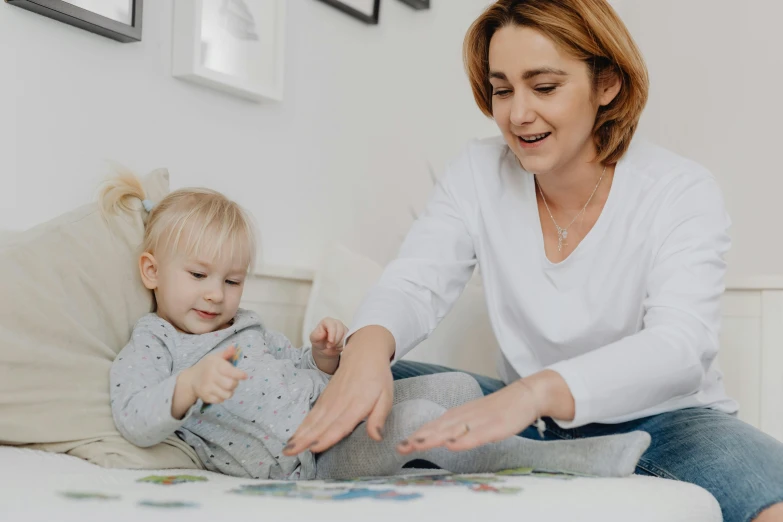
{"x":751,"y":355}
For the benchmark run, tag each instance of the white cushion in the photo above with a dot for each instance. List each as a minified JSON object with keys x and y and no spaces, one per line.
{"x":464,"y":339}
{"x":71,"y":294}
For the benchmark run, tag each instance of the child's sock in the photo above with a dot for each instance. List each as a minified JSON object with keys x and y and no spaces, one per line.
{"x":360,"y":456}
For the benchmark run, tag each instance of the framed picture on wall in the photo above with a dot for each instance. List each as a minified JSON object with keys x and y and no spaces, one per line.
{"x":232,"y":45}
{"x":368,"y":11}
{"x":418,"y":4}
{"x":116,"y":19}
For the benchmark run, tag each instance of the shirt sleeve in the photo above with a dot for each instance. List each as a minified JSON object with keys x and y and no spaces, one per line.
{"x":142,"y":390}
{"x":671,"y":354}
{"x":281,"y":348}
{"x":434,"y":264}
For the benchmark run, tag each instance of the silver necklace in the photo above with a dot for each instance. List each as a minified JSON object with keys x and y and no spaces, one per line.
{"x":562,"y":232}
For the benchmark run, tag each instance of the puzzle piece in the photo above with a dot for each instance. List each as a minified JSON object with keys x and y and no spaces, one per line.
{"x":88,"y":495}
{"x":514,"y":472}
{"x":294,"y":490}
{"x":167,"y":504}
{"x":170,"y":480}
{"x":557,"y":475}
{"x":446,"y":480}
{"x":477,"y":483}
{"x":487,"y":488}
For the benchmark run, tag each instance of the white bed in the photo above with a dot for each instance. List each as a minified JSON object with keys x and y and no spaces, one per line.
{"x":32,"y":484}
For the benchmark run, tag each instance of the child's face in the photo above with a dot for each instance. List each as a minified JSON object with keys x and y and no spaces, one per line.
{"x":196,"y":296}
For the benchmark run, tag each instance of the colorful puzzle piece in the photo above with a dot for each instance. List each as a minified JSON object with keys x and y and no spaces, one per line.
{"x":487,"y":488}
{"x":88,"y":495}
{"x":170,"y":480}
{"x":530,"y":472}
{"x":294,"y":490}
{"x":478,"y":483}
{"x":167,"y":504}
{"x":514,"y":472}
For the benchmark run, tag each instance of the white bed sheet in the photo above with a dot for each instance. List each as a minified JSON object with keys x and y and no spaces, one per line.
{"x":31,"y":483}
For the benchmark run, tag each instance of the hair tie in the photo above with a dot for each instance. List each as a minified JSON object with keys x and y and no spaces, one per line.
{"x":147,"y":204}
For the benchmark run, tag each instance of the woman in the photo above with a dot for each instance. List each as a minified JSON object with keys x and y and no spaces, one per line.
{"x":602,"y":259}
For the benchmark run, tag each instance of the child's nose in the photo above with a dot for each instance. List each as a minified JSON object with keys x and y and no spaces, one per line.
{"x":215,"y":294}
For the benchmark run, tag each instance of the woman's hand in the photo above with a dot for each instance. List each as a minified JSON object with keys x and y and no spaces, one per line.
{"x":497,"y":416}
{"x":361,"y":388}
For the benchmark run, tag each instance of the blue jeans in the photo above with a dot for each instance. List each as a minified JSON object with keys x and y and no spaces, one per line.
{"x":741,"y":466}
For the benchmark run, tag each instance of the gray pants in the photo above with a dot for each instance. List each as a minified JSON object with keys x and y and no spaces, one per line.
{"x":419,"y":400}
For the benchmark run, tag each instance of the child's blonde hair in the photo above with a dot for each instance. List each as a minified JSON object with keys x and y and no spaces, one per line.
{"x":191,"y":221}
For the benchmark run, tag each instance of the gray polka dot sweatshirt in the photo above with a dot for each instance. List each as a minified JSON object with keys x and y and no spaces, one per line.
{"x":243,"y":436}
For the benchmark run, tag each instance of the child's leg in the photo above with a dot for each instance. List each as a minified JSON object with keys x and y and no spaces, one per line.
{"x":448,"y":390}
{"x":358,"y":455}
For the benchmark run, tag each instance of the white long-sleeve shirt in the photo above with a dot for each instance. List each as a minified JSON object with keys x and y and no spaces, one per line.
{"x":630,"y":319}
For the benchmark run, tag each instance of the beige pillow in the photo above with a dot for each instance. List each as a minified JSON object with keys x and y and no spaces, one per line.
{"x":71,"y":293}
{"x":463,"y":340}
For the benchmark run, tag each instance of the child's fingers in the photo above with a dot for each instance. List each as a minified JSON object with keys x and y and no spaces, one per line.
{"x":227,"y":383}
{"x":343,"y":330}
{"x":227,"y":370}
{"x":228,"y":353}
{"x":221,"y":393}
{"x":212,"y":398}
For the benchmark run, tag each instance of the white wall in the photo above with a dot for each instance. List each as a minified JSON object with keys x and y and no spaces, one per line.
{"x":342,"y":157}
{"x":716,"y":69}
{"x":365,"y":108}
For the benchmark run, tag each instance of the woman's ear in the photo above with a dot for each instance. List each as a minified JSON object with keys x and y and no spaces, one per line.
{"x":609,"y":89}
{"x":148,"y":267}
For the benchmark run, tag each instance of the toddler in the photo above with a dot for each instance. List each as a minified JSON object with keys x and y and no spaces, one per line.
{"x":212,"y":373}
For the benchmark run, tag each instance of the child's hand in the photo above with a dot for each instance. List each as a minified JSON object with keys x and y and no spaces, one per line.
{"x":327,"y":338}
{"x":213,"y":379}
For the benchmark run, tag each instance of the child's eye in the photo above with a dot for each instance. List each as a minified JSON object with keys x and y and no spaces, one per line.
{"x":198,"y":275}
{"x":233,"y":283}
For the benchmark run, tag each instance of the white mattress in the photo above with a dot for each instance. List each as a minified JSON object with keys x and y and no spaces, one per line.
{"x":32,"y":484}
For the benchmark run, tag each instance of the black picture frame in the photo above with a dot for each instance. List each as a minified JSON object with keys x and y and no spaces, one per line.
{"x":417,"y":4}
{"x":368,"y":19}
{"x":87,"y":20}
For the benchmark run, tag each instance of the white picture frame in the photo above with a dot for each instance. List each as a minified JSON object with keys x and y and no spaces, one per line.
{"x":231,"y":45}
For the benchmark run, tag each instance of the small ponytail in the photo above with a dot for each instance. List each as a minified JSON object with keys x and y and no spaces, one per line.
{"x":117,"y":194}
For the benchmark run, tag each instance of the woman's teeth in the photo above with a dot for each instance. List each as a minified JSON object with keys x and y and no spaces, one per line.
{"x":533,"y":139}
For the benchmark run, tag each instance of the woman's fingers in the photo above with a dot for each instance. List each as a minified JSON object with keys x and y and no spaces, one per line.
{"x":489,"y":419}
{"x":438,"y":432}
{"x":315,"y":424}
{"x":377,"y":417}
{"x":362,"y":387}
{"x":345,"y":403}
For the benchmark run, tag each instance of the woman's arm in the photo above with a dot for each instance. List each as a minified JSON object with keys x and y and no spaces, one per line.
{"x":668,"y":358}
{"x":415,"y":292}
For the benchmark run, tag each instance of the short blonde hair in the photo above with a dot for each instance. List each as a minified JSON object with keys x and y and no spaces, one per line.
{"x":589,"y":30}
{"x":191,"y":221}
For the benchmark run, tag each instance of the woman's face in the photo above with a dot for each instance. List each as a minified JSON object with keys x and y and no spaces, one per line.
{"x":542,"y":100}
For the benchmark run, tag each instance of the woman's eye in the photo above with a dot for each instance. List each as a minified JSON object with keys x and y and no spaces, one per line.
{"x":546,"y":89}
{"x":198,"y":275}
{"x":501,"y":92}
